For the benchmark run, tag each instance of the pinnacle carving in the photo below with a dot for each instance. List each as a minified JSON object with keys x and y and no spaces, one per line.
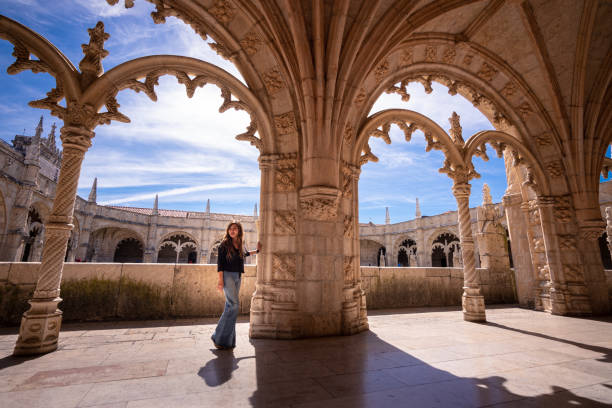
{"x":91,"y":64}
{"x":455,"y":130}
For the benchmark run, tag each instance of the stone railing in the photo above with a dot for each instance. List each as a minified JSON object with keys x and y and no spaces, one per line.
{"x":104,"y":291}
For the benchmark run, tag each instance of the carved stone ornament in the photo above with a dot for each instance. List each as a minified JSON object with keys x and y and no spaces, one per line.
{"x":361,"y":97}
{"x":509,"y":89}
{"x":573,"y":273}
{"x":348,"y":269}
{"x":544,"y":273}
{"x":406,"y":57}
{"x":348,"y":135}
{"x":467,"y":59}
{"x":273,"y":81}
{"x":544,"y":139}
{"x":319,"y":203}
{"x":563,"y":209}
{"x":592,"y":230}
{"x":284,"y":222}
{"x":381,"y":70}
{"x":348,"y":226}
{"x":555,"y":168}
{"x":349,"y":173}
{"x":430,"y":53}
{"x":223,"y":10}
{"x":251,"y":43}
{"x":285,"y":123}
{"x":487,"y":72}
{"x":285,"y":174}
{"x":221,"y":50}
{"x":525,"y":110}
{"x":284,"y":266}
{"x":567,"y":242}
{"x":449,"y":55}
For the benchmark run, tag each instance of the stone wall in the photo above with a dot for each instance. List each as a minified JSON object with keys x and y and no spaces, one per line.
{"x":97,"y":291}
{"x":412,"y":287}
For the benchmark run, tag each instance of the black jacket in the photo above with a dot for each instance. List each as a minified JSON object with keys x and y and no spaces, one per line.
{"x":235,"y":264}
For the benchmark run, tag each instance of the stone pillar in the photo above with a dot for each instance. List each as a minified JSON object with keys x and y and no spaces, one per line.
{"x":40,"y":325}
{"x":594,"y":276}
{"x":521,"y":253}
{"x":472,"y":300}
{"x":563,"y":301}
{"x":354,"y":310}
{"x":274,"y":306}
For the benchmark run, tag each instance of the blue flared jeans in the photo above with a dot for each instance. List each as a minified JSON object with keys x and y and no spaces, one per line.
{"x":225,"y":333}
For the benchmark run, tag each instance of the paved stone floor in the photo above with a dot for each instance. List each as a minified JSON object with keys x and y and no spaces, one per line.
{"x":409,"y":358}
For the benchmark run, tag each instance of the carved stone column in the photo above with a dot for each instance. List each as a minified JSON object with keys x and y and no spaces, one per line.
{"x":472,"y":300}
{"x":274,"y":308}
{"x":354,"y":310}
{"x":40,"y":325}
{"x":518,"y":229}
{"x":568,"y":293}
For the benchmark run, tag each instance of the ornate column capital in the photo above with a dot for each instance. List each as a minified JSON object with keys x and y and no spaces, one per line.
{"x":462,"y":189}
{"x":76,"y":137}
{"x":511,"y":200}
{"x":591,"y":230}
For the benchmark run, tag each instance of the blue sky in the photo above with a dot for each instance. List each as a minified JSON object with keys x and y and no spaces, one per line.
{"x":185,"y":151}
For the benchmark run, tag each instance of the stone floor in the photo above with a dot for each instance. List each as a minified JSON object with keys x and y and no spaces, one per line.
{"x":409,"y":358}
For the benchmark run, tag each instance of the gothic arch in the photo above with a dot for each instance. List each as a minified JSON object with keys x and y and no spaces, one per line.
{"x":169,"y":235}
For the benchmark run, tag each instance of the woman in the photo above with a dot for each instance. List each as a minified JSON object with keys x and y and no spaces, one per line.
{"x":230,"y":266}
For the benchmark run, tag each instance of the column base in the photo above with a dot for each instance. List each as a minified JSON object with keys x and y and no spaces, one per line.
{"x":473,"y":308}
{"x":565,"y":303}
{"x":40,"y":327}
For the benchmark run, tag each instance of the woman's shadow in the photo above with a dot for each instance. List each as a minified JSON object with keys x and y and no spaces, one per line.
{"x":219,"y":370}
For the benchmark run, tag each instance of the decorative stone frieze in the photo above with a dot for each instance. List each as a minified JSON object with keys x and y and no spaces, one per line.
{"x":592,"y":230}
{"x":319,"y":203}
{"x":284,"y":266}
{"x":251,"y":43}
{"x":273,"y":81}
{"x":285,"y":123}
{"x":487,"y":72}
{"x":284,"y":222}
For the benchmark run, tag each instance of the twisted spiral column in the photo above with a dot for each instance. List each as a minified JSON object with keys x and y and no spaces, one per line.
{"x":40,"y":325}
{"x":472,"y":300}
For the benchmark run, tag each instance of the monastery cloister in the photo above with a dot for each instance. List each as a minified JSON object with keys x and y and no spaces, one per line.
{"x":541,"y":73}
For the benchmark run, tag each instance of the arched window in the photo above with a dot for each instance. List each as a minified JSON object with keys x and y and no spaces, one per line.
{"x":606,"y":260}
{"x":214,"y":253}
{"x":35,"y":228}
{"x":406,"y":254}
{"x":177,"y":249}
{"x":443,"y":250}
{"x":128,"y":250}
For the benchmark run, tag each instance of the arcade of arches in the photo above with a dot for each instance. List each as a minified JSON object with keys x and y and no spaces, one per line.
{"x":540,"y":71}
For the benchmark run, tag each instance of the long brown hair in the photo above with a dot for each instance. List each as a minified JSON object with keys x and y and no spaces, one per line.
{"x":229,"y":245}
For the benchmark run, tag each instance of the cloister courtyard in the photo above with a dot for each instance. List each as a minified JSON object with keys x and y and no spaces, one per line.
{"x":409,"y":358}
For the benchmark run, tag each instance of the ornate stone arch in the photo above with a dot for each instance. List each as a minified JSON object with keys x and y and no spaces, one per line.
{"x":431,"y":236}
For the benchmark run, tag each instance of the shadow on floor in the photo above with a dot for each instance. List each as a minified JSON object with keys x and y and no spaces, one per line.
{"x":365,"y":371}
